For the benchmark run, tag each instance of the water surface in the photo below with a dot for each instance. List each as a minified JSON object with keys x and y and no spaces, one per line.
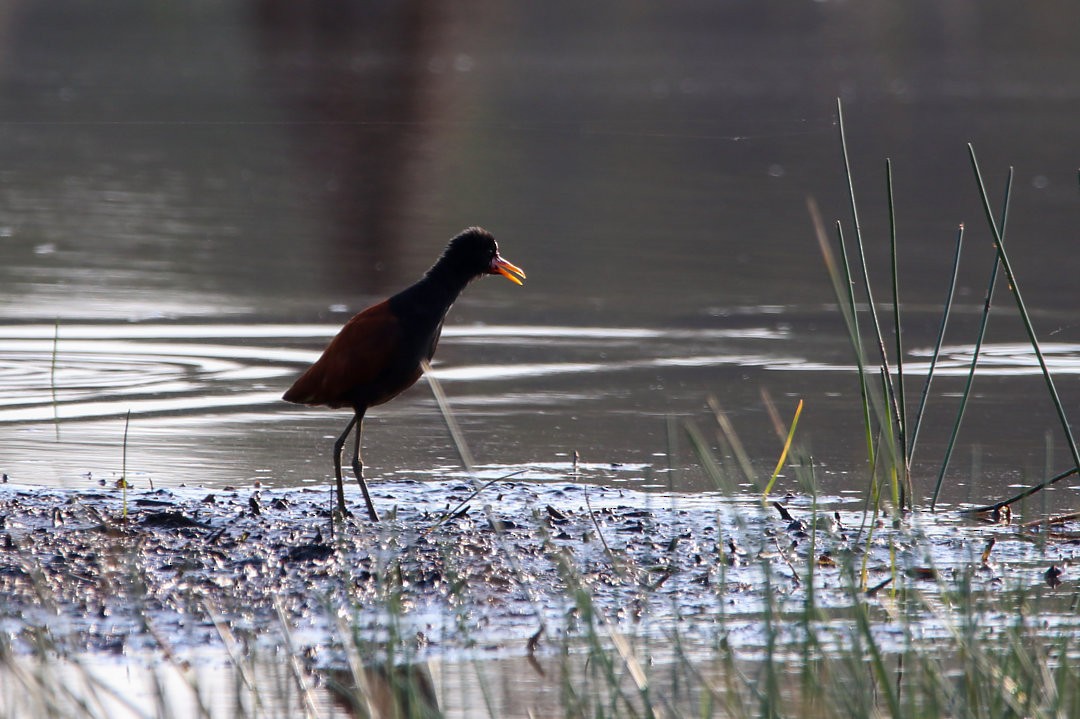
{"x":192,"y":199}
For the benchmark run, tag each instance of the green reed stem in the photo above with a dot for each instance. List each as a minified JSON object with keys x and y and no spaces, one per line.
{"x":937,"y":345}
{"x":890,"y":438}
{"x":843,"y":287}
{"x":1001,"y":260}
{"x":726,"y":429}
{"x":856,"y":340}
{"x":1028,"y":327}
{"x":983,"y":322}
{"x":703,"y":452}
{"x":859,"y":246}
{"x":887,"y":694}
{"x":901,"y":402}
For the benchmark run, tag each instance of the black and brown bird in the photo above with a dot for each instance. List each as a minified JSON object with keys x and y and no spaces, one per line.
{"x":380,"y":352}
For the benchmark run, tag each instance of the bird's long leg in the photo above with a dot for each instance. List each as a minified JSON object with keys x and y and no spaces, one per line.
{"x":339,"y":444}
{"x":358,"y":467}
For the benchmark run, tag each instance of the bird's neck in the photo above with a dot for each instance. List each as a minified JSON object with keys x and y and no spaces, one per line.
{"x":433,"y":294}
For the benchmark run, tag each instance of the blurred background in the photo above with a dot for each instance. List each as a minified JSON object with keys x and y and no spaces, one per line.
{"x":194,"y":196}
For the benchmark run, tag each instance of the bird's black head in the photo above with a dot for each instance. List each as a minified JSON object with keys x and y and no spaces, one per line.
{"x":473,"y":253}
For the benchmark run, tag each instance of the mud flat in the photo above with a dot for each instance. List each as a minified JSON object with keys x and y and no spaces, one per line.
{"x":515,"y":569}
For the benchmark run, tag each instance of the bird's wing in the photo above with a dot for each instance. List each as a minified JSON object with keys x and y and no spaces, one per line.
{"x":360,"y":352}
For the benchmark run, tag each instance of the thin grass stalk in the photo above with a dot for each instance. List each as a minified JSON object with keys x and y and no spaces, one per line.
{"x":840,"y":275}
{"x":447,"y":515}
{"x":831,"y":266}
{"x":861,"y":252}
{"x":886,"y":372}
{"x":889,"y":437}
{"x":811,"y":649}
{"x":616,"y":565}
{"x":727,"y":430}
{"x":871,"y":510}
{"x":1024,"y":494}
{"x":54,"y":694}
{"x":705,"y":456}
{"x":601,"y":660}
{"x":768,"y":687}
{"x":632,"y":666}
{"x":783,"y":453}
{"x":886,"y":457}
{"x":297,"y":671}
{"x":712,"y":694}
{"x":451,"y":422}
{"x":774,"y":416}
{"x":123,"y":464}
{"x":860,"y":360}
{"x":244,"y":676}
{"x":980,"y":337}
{"x":1022,"y":308}
{"x":901,"y":401}
{"x":877,"y":660}
{"x":485,"y":689}
{"x":949,"y":297}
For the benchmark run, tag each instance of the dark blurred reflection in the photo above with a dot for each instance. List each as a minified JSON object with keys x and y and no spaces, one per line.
{"x":350,"y":80}
{"x":382,"y":691}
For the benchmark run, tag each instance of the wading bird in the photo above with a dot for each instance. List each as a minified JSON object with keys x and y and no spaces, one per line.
{"x":379,"y":353}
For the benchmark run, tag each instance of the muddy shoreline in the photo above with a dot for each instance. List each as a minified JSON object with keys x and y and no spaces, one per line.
{"x":186,"y":566}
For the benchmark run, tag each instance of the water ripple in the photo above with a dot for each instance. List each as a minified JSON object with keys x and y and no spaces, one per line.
{"x":83,"y":371}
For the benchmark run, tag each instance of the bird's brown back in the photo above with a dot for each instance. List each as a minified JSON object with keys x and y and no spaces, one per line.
{"x":369,"y":362}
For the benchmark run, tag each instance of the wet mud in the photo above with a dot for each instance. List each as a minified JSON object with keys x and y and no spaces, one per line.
{"x":514,"y":569}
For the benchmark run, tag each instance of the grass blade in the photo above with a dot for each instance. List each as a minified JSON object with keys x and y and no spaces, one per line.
{"x":983,"y":322}
{"x":705,"y":456}
{"x":860,"y":360}
{"x":937,"y":345}
{"x":901,"y":405}
{"x":1005,"y":265}
{"x":456,"y":435}
{"x":784,"y":453}
{"x":726,"y":430}
{"x":861,"y":252}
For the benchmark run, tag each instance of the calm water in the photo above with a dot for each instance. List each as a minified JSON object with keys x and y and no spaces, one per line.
{"x":192,"y":199}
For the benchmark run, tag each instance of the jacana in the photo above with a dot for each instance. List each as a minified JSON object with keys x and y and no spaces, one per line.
{"x":380,"y":352}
